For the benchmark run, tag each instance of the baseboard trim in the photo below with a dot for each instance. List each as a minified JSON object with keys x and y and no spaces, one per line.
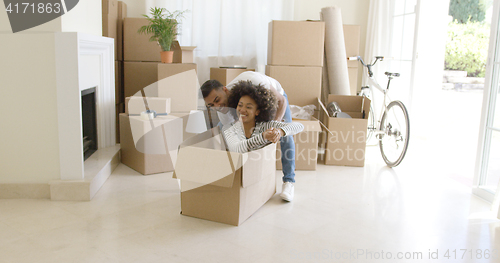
{"x":24,"y":191}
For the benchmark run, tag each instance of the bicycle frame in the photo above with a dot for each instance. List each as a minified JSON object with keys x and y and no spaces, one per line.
{"x":374,"y":83}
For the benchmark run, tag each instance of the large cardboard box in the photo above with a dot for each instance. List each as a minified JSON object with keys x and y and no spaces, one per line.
{"x":176,"y":81}
{"x":346,"y":145}
{"x":301,"y":84}
{"x":139,"y":75}
{"x":351,"y":40}
{"x":119,"y":98}
{"x":110,"y":21}
{"x":182,"y":54}
{"x":136,"y":105}
{"x":122,"y":13}
{"x":226,"y":75}
{"x":150,"y":146}
{"x":306,"y":146}
{"x":119,"y":108}
{"x":353,"y":79}
{"x":137,"y":47}
{"x":179,"y":82}
{"x":223,"y":186}
{"x":296,"y":43}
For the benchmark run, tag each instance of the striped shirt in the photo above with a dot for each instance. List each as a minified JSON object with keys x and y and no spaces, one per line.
{"x":238,"y":142}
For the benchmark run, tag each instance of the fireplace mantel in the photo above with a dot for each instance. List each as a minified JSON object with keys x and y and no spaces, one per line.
{"x":83,"y":61}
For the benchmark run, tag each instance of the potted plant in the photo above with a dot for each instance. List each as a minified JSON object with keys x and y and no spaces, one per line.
{"x":163,"y":26}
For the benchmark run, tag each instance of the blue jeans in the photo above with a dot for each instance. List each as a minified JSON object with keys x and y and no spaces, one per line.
{"x":288,"y":149}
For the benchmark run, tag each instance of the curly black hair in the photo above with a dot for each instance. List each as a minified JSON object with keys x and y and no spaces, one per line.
{"x":266,"y":101}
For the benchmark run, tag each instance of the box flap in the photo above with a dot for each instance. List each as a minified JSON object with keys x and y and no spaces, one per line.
{"x":188,"y":48}
{"x":206,"y":166}
{"x":322,"y":106}
{"x":258,"y":164}
{"x":347,"y":103}
{"x":309,"y":125}
{"x":351,"y":104}
{"x":203,"y":159}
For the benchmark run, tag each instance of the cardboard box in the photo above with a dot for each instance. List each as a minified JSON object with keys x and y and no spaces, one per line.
{"x":194,"y":122}
{"x":346,"y":145}
{"x":353,"y":80}
{"x":137,"y":47}
{"x":139,"y":75}
{"x":150,"y":149}
{"x":119,"y":98}
{"x":182,"y":54}
{"x":110,"y":21}
{"x":351,"y":40}
{"x":136,"y":105}
{"x":119,"y":108}
{"x":226,"y":75}
{"x":301,"y":84}
{"x":223,"y":186}
{"x":179,"y":82}
{"x":122,"y":13}
{"x":306,"y":146}
{"x":296,"y":43}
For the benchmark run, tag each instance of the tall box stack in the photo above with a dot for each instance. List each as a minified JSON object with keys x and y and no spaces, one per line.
{"x":145,"y":75}
{"x":113,"y":13}
{"x":295,"y":59}
{"x":351,"y":39}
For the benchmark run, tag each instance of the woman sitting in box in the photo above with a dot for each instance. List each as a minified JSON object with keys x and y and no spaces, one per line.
{"x":255,"y":128}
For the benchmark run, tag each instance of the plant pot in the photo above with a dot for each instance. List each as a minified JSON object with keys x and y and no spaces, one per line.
{"x":167,"y":56}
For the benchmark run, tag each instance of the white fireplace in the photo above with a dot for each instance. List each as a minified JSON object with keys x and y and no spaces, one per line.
{"x":84,"y":61}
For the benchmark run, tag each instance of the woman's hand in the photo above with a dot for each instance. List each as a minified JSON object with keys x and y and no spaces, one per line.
{"x":273,"y":135}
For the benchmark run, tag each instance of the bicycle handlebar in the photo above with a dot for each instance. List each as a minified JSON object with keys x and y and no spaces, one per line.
{"x":368,"y":66}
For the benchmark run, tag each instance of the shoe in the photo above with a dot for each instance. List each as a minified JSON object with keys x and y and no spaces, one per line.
{"x":287,"y":192}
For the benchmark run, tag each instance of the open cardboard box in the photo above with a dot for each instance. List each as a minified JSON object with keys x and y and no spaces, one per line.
{"x":182,"y":54}
{"x":150,"y":146}
{"x":346,"y":141}
{"x":306,"y":146}
{"x":223,"y":186}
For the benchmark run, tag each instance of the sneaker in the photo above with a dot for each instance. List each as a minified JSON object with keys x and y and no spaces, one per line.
{"x":287,"y":192}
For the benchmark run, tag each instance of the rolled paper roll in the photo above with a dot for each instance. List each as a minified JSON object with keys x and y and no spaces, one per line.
{"x":335,"y":53}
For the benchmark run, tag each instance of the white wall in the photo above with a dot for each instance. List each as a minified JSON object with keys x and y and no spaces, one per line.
{"x":85,"y":17}
{"x":51,"y":26}
{"x":28,"y":134}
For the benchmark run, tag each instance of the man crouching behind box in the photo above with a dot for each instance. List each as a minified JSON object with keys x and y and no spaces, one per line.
{"x":258,"y":99}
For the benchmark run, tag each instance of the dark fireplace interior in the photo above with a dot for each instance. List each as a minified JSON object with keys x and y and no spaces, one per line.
{"x":89,"y":122}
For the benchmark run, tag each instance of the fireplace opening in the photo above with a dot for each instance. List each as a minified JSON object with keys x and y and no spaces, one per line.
{"x":89,"y":121}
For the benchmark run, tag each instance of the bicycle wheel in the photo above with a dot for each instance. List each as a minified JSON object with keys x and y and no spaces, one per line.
{"x":395,"y":125}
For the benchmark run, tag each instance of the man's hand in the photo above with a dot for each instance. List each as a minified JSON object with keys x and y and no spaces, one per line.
{"x":273,"y":135}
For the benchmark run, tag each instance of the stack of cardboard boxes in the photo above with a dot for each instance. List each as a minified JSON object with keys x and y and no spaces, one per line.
{"x":113,"y":13}
{"x":145,"y":81}
{"x":351,"y":39}
{"x":295,"y":59}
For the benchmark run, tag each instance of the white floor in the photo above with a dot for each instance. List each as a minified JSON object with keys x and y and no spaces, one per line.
{"x":340,"y":214}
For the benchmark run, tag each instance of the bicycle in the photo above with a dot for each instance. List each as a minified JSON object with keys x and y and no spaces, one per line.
{"x":393,"y":129}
